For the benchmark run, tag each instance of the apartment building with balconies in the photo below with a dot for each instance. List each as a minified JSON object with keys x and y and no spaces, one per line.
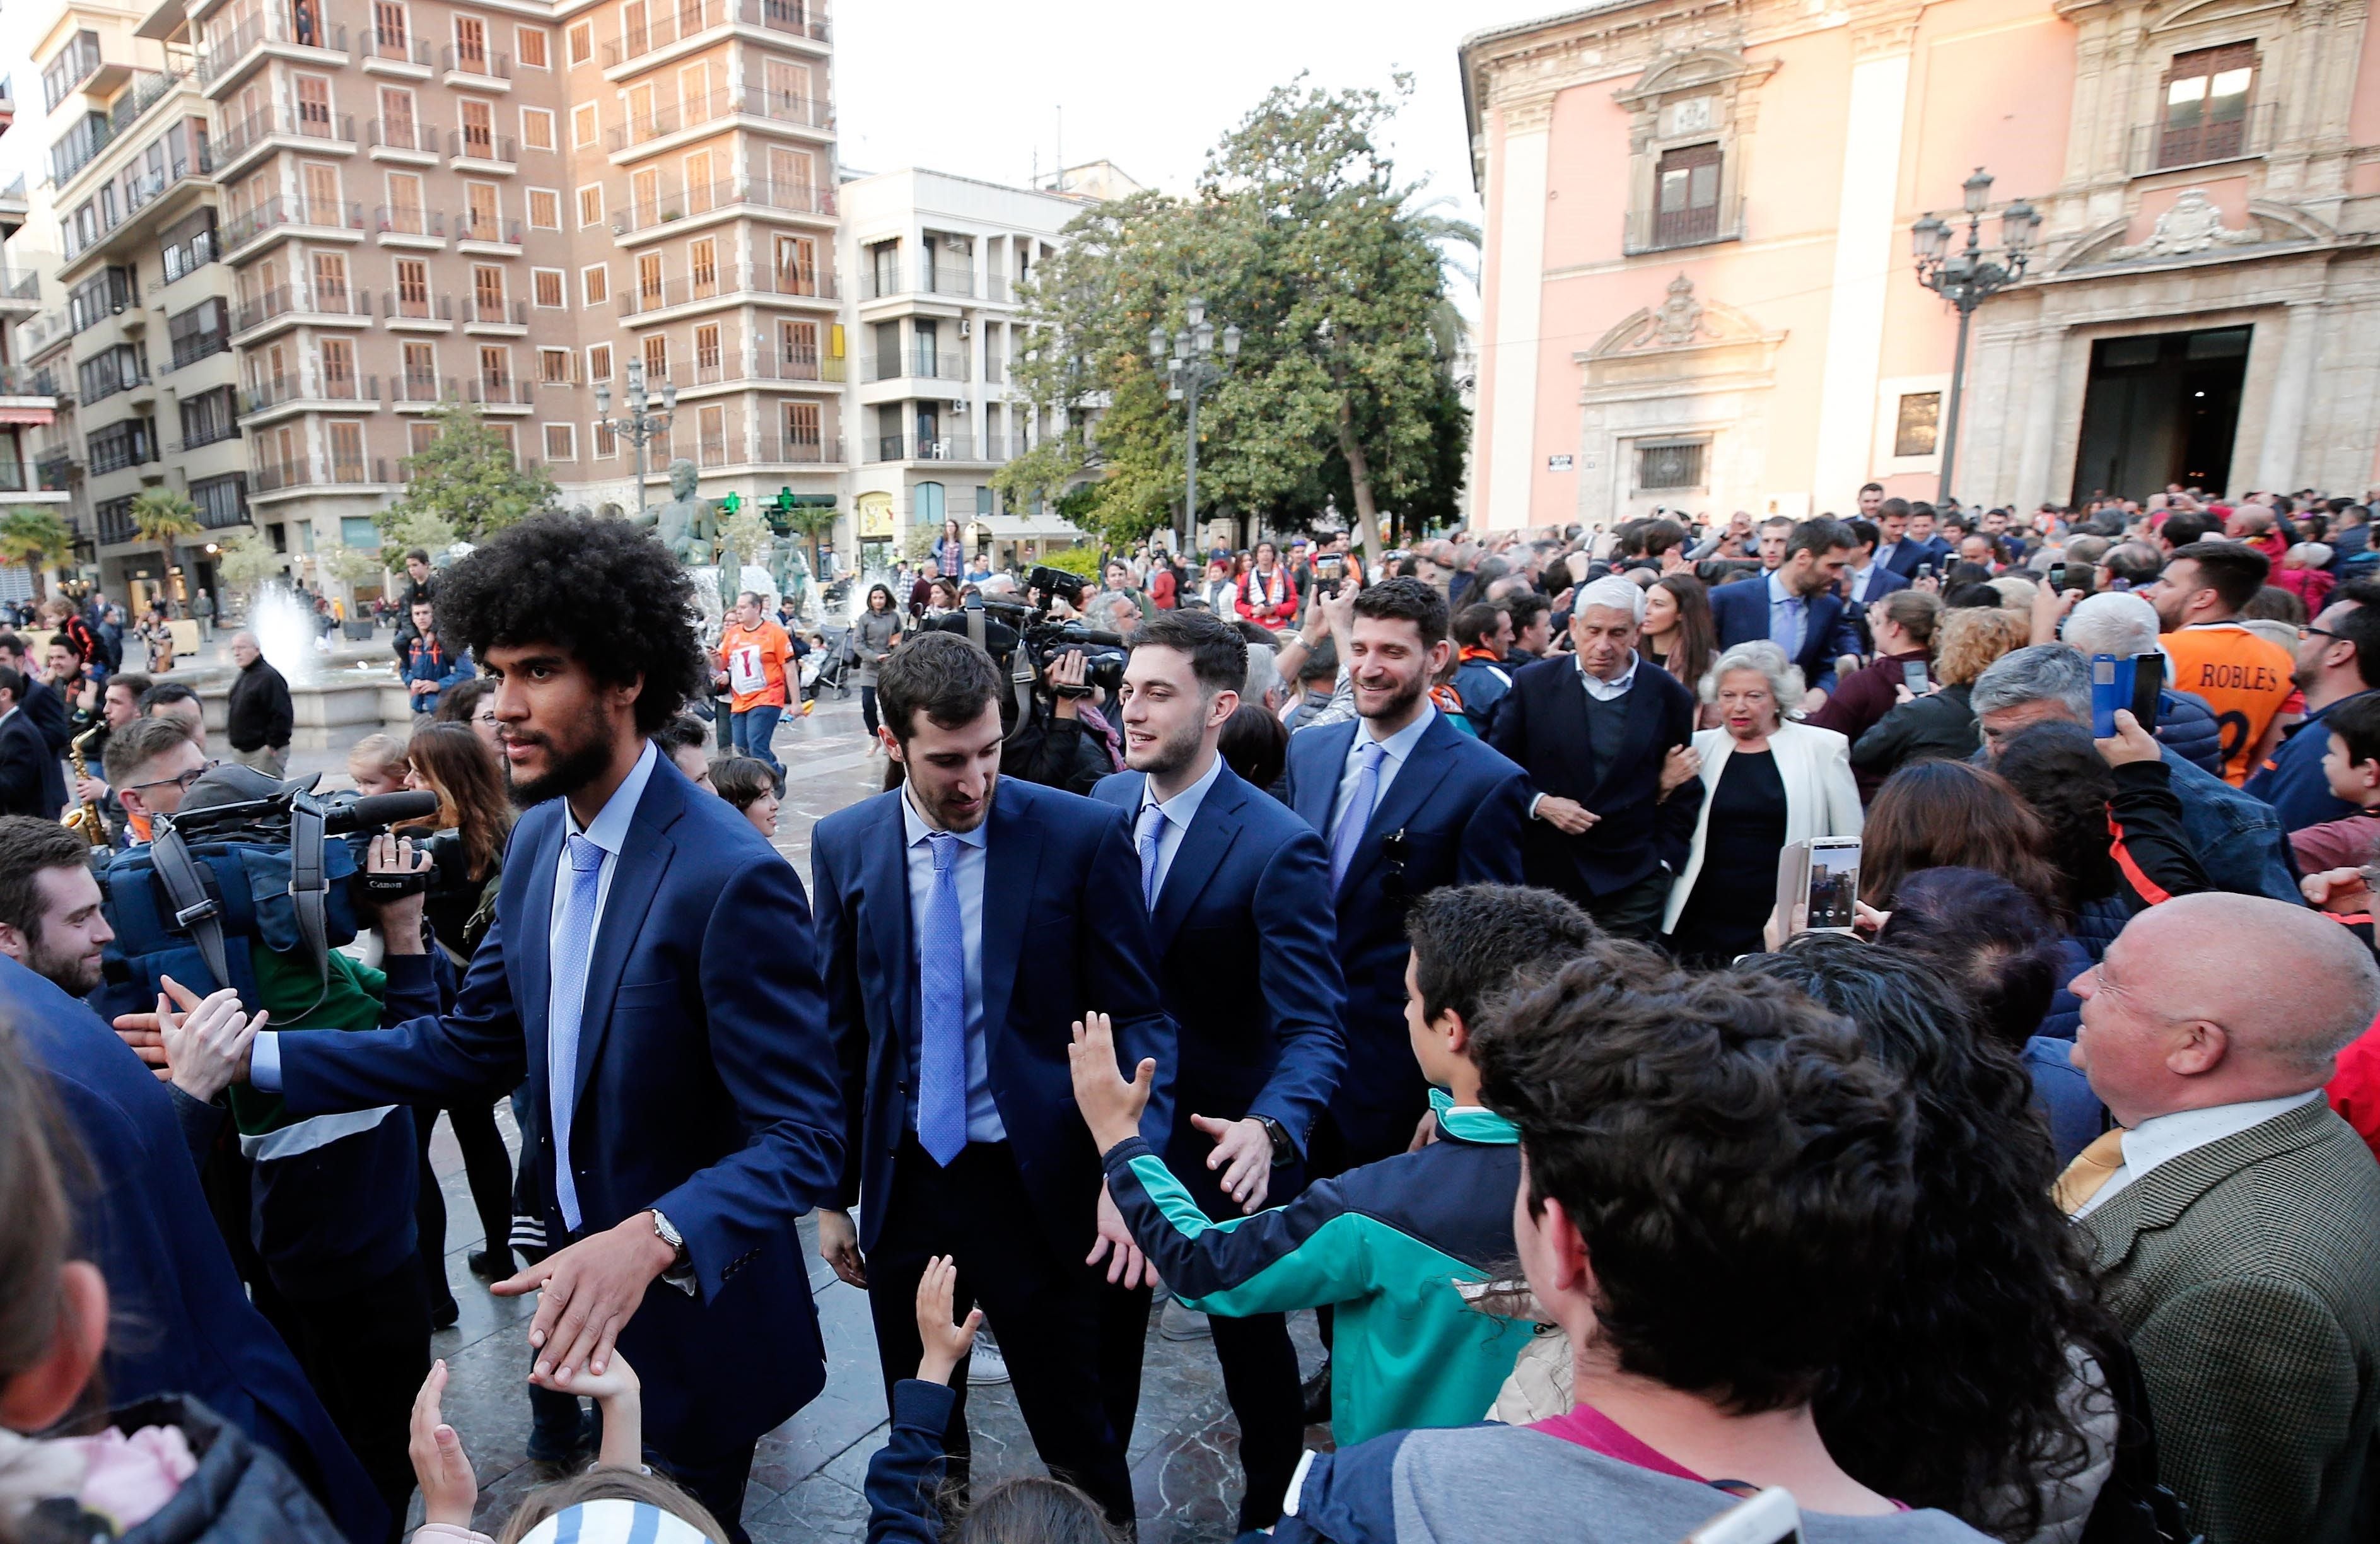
{"x":27,"y":402}
{"x":427,"y":200}
{"x":934,"y":262}
{"x":135,"y":347}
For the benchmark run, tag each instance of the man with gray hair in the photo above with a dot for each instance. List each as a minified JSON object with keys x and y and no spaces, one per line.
{"x":1599,"y":735}
{"x":2238,"y":838}
{"x":2234,"y":1216}
{"x":2126,"y":627}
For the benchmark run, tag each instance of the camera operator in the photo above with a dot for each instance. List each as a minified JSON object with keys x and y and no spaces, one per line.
{"x":1049,"y":741}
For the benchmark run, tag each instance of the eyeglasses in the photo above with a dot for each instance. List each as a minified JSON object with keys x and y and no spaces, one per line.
{"x":182,"y":781}
{"x":2310,"y":631}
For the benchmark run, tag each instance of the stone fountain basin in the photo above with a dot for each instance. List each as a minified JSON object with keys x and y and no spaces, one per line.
{"x":352,"y":692}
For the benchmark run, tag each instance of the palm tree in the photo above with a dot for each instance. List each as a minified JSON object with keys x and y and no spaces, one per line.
{"x":32,"y":535}
{"x":163,"y":515}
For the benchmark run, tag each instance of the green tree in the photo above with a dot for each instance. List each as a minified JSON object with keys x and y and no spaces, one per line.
{"x":1301,"y":235}
{"x":247,"y":560}
{"x":812,"y":520}
{"x":33,"y":535}
{"x":425,"y":529}
{"x":354,"y":566}
{"x":744,"y":537}
{"x":165,"y":516}
{"x":467,"y":478}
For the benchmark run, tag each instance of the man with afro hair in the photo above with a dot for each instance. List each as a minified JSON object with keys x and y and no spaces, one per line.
{"x":651,"y":973}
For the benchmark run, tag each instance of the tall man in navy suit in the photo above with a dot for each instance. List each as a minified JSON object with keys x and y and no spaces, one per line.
{"x":1238,"y":891}
{"x":1404,"y":803}
{"x":1865,"y":579}
{"x":966,"y":921}
{"x":1595,"y":730}
{"x":1796,"y":606}
{"x":651,"y":972}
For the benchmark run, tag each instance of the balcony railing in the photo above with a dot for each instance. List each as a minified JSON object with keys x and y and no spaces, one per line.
{"x":270,"y":476}
{"x":795,"y":17}
{"x":190,"y":349}
{"x":2162,"y":145}
{"x":54,"y":470}
{"x":766,"y":448}
{"x":419,"y":388}
{"x":343,"y":387}
{"x":397,"y":306}
{"x":282,"y":210}
{"x":405,"y":220}
{"x":464,"y":143}
{"x":730,"y":280}
{"x":19,"y":286}
{"x":408,"y":136}
{"x":758,"y":101}
{"x":498,"y":313}
{"x":1650,"y":230}
{"x":210,"y":434}
{"x":25,"y":381}
{"x":148,"y":87}
{"x":499,"y":393}
{"x":377,"y":45}
{"x":799,"y":197}
{"x":486,"y":63}
{"x":321,"y":299}
{"x":921,"y":364}
{"x":113,"y":453}
{"x":273,"y":26}
{"x":359,"y":469}
{"x":935,"y":447}
{"x":927,"y":279}
{"x":271,"y":392}
{"x":238,"y":137}
{"x":484,"y":227}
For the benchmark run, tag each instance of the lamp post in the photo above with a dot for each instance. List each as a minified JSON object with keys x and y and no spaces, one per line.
{"x":639,"y":426}
{"x":1189,"y":363}
{"x":1967,"y":278}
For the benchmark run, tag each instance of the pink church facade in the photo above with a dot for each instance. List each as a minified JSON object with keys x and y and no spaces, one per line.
{"x":1700,"y":296}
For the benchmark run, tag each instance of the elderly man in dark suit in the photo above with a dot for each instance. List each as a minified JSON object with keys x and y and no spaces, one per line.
{"x":1404,"y":802}
{"x":1239,"y":895}
{"x":1596,"y":732}
{"x":2235,"y":1217}
{"x":966,"y":922}
{"x":650,"y":972}
{"x":1796,"y":606}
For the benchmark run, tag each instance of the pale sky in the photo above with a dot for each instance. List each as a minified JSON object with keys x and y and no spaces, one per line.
{"x":975,"y":87}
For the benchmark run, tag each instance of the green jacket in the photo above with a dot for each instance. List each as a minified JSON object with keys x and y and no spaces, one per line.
{"x":2247,"y":1273}
{"x":1388,"y":1245}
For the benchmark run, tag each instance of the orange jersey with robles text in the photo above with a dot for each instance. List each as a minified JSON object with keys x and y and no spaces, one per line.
{"x":2244,"y":678}
{"x":754,"y":660}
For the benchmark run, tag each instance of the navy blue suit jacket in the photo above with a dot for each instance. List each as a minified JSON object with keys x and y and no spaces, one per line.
{"x":47,"y":708}
{"x":706,"y":1089}
{"x":1740,"y":612}
{"x":1881,"y":583}
{"x":1454,"y":814}
{"x":185,"y":1325}
{"x":1542,"y":726}
{"x":1063,"y":934}
{"x":1246,"y":954}
{"x":1909,"y":553}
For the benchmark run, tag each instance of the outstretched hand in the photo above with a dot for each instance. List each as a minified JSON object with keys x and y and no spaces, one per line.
{"x":449,"y":1488}
{"x":1110,"y":1106}
{"x":946,"y":1343}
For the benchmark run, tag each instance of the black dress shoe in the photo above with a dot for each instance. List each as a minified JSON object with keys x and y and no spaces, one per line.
{"x":1316,"y":1391}
{"x":446,"y":1315}
{"x":490,"y":1265}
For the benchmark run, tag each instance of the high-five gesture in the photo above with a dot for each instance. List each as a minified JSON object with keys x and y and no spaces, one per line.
{"x":1111,"y":1109}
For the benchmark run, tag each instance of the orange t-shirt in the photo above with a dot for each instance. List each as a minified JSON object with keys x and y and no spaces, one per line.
{"x":2244,"y":678}
{"x":754,"y":660}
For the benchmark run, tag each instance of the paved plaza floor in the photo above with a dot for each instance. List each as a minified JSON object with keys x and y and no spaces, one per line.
{"x":805,"y":1482}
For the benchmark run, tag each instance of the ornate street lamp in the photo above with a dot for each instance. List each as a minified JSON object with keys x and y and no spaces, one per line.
{"x":1189,"y":363}
{"x":639,"y":426}
{"x":1967,"y":278}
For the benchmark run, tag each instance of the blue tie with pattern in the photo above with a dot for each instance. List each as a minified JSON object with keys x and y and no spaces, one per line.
{"x":1149,"y":838}
{"x":941,"y":1011}
{"x":574,"y":940}
{"x":1357,"y":815}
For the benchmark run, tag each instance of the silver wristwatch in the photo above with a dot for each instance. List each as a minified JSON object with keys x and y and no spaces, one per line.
{"x":681,"y":1271}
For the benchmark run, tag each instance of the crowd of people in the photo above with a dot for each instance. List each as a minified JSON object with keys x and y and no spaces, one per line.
{"x":1407,"y":947}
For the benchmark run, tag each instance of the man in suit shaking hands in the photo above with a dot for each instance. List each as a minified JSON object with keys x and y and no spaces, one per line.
{"x":1595,"y":730}
{"x":1238,"y":891}
{"x":1404,"y":803}
{"x":651,"y":972}
{"x":1796,"y":606}
{"x":966,"y":921}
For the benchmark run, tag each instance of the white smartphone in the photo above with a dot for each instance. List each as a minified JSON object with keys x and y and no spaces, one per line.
{"x":1770,"y":1517}
{"x":1833,"y":883}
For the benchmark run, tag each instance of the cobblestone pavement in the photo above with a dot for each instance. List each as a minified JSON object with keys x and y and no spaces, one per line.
{"x":807,"y":1478}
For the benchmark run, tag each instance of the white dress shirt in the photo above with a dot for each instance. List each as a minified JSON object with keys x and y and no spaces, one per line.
{"x":1860,"y":576}
{"x":1180,"y":810}
{"x":2162,"y":1138}
{"x":1398,"y":746}
{"x":966,"y":869}
{"x":1609,"y":691}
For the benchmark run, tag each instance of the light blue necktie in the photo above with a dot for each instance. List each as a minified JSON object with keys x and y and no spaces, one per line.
{"x":1149,"y":838}
{"x":573,"y":943}
{"x":1357,"y":815}
{"x":942,"y":1012}
{"x":1794,"y":627}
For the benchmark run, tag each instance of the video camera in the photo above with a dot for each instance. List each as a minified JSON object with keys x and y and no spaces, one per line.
{"x":248,"y":863}
{"x":1045,"y":639}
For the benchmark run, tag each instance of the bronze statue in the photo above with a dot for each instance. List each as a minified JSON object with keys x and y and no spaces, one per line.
{"x":688,"y":526}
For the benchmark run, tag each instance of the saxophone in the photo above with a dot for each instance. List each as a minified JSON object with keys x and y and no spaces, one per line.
{"x":85,"y":816}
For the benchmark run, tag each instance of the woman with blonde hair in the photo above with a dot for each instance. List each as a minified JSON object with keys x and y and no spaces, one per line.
{"x":1941,"y":724}
{"x":1770,"y":782}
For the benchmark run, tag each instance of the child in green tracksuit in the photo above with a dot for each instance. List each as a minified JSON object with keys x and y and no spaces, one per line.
{"x":1390,"y":1245}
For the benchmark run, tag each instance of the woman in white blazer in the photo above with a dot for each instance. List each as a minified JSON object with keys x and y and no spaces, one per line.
{"x":1769,"y":781}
